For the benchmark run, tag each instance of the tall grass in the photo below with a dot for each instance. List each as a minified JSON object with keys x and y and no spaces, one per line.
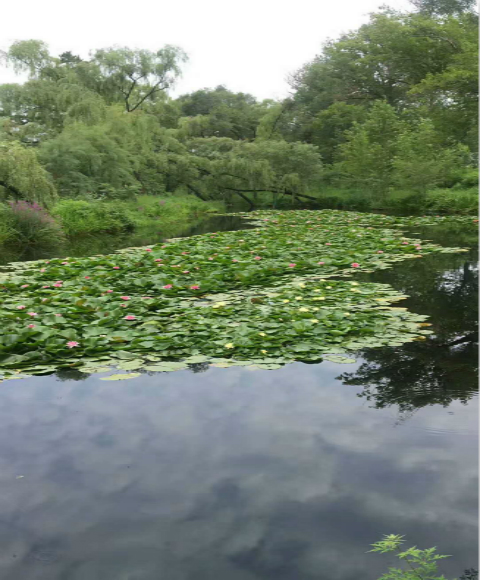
{"x":80,"y":217}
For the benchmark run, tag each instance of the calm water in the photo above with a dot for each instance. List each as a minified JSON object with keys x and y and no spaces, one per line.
{"x":231,"y":474}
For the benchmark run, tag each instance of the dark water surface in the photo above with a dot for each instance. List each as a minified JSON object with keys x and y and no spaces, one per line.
{"x":233,"y":474}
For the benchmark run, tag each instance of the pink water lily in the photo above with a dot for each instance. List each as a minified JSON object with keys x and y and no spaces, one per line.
{"x":148,"y":250}
{"x":45,"y":286}
{"x":72,"y":344}
{"x":257,"y":258}
{"x":123,"y":304}
{"x":58,"y":285}
{"x":32,"y":314}
{"x":194,"y":287}
{"x":168,"y":286}
{"x":108,"y":291}
{"x":380,"y":252}
{"x":31,"y":325}
{"x":146,"y":297}
{"x":355,"y":265}
{"x":320,"y":263}
{"x":57,"y":314}
{"x":25,"y":286}
{"x":328,"y":244}
{"x":21,"y":307}
{"x":158,"y":260}
{"x":292,"y":265}
{"x":234,"y":260}
{"x":125,"y":297}
{"x":64,"y":263}
{"x":405,"y":243}
{"x":87,"y":277}
{"x":116,"y":267}
{"x":185,"y":271}
{"x":130,"y":317}
{"x":42,"y":269}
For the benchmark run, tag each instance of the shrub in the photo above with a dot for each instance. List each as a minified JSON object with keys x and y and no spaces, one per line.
{"x":28,"y":223}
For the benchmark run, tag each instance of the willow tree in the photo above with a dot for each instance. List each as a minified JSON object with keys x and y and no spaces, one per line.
{"x":22,"y":177}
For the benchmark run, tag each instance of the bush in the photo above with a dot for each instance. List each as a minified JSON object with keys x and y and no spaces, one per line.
{"x":28,"y":223}
{"x":84,"y":217}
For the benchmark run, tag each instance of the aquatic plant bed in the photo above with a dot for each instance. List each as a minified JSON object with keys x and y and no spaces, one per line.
{"x":260,"y":297}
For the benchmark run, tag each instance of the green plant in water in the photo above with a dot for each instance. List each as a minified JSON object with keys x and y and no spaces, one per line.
{"x":418,"y":564}
{"x":260,"y":296}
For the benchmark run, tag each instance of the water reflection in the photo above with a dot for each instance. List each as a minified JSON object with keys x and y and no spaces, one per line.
{"x":105,"y":243}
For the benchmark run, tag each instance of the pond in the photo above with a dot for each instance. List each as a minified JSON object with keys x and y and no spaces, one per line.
{"x":243,"y":475}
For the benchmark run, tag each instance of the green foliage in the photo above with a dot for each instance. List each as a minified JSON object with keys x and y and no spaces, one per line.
{"x":391,"y":106}
{"x":259,"y":295}
{"x":86,"y":217}
{"x":420,"y":564}
{"x":22,"y":177}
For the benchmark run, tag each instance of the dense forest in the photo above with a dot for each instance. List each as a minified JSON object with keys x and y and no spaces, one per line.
{"x":383,"y":115}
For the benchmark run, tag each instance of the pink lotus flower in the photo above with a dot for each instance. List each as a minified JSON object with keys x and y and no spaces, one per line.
{"x":168,"y":286}
{"x":320,"y":263}
{"x":21,"y":307}
{"x":87,"y":277}
{"x":257,"y":258}
{"x":125,"y":297}
{"x":148,"y":250}
{"x":108,"y":291}
{"x":194,"y":287}
{"x":31,"y":325}
{"x":292,"y":265}
{"x":32,"y":314}
{"x":72,"y":344}
{"x":45,"y":286}
{"x":380,"y":252}
{"x":130,"y":317}
{"x":355,"y":265}
{"x":158,"y":260}
{"x":57,"y":285}
{"x":116,"y":267}
{"x":25,"y":286}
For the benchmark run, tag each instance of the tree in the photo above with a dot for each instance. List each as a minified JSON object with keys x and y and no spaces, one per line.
{"x":136,"y":76}
{"x":22,"y":177}
{"x":421,"y":162}
{"x":366,"y":157}
{"x":443,"y":7}
{"x":31,"y":56}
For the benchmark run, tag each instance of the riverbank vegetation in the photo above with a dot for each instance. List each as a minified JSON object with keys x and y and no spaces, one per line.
{"x":384,"y":117}
{"x":260,"y":296}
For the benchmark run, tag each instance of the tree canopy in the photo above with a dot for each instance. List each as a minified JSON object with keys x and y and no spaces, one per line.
{"x":391,"y":105}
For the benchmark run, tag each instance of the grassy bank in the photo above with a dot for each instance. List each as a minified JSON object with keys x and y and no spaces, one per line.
{"x":22,"y":223}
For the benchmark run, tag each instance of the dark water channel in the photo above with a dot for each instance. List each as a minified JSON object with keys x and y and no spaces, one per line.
{"x":233,"y":474}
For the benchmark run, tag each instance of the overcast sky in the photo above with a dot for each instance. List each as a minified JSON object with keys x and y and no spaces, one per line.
{"x":249,"y":46}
